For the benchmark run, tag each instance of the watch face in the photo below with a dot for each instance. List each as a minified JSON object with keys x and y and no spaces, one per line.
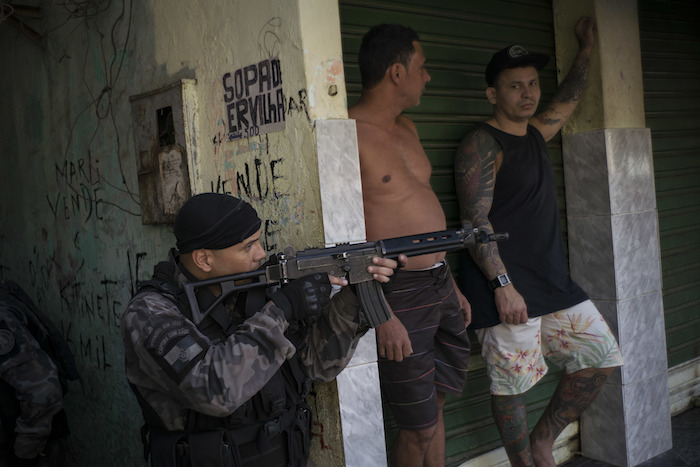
{"x":499,"y":281}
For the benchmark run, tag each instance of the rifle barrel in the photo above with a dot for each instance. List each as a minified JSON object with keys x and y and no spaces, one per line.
{"x":415,"y":245}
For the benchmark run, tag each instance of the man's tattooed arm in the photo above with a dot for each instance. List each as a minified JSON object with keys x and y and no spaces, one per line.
{"x":475,"y":178}
{"x":564,"y":102}
{"x":553,"y":117}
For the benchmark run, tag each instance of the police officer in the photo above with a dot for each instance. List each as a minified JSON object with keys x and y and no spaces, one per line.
{"x":31,"y":396}
{"x":231,"y":390}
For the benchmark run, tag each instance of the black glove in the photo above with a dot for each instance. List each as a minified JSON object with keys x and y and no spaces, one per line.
{"x":303,"y":298}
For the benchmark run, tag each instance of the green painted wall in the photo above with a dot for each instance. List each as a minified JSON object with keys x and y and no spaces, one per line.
{"x":671,"y":65}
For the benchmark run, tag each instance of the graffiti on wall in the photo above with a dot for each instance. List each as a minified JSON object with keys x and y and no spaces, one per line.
{"x":88,"y":200}
{"x":257,"y":110}
{"x":82,"y":196}
{"x":253,"y":96}
{"x":254,"y":99}
{"x":89,"y":306}
{"x":88,"y":197}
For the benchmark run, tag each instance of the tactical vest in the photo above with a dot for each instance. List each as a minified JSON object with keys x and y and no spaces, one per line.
{"x":272,"y":428}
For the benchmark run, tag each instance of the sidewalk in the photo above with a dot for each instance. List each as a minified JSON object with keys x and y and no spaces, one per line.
{"x":685,"y":451}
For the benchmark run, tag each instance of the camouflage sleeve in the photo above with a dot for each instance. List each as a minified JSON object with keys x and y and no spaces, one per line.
{"x":33,"y":375}
{"x":166,"y":353}
{"x":332,"y":339}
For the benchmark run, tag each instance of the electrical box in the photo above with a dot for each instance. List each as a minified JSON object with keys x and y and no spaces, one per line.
{"x":165,"y":141}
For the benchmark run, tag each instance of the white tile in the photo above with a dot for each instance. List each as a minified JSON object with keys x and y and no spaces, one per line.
{"x":361,"y":416}
{"x":637,"y":258}
{"x":591,"y":256}
{"x":366,"y":351}
{"x":627,"y":425}
{"x":339,"y":178}
{"x":586,"y":174}
{"x":630,"y":170}
{"x":642,"y":337}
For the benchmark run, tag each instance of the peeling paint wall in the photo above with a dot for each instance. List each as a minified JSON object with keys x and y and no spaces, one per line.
{"x":71,"y":231}
{"x":233,"y":36}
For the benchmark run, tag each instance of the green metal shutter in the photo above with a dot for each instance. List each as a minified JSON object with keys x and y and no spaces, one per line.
{"x":670,"y":41}
{"x":458,"y":38}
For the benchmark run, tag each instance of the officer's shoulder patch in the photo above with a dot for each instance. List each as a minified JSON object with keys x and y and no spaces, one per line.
{"x":183,"y":353}
{"x":165,"y":333}
{"x":176,"y":346}
{"x":7,"y":341}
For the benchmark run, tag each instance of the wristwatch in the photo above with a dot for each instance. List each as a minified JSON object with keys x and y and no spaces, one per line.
{"x":499,"y":281}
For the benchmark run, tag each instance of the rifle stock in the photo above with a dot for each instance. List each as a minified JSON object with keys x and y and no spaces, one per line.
{"x":346,"y":260}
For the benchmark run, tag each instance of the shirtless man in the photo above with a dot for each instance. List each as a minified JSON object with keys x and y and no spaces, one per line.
{"x":424,"y":348}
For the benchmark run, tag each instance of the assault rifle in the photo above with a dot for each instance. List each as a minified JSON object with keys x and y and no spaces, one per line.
{"x":346,"y":260}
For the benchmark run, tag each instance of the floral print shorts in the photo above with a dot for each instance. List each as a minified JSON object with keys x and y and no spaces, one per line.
{"x":573,"y":339}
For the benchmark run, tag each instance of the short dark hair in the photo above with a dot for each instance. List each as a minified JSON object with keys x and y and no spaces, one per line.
{"x":382,"y":46}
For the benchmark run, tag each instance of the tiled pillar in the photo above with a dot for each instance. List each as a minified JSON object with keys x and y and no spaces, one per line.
{"x":614,"y":256}
{"x":361,"y":408}
{"x":613,"y":230}
{"x":359,"y":396}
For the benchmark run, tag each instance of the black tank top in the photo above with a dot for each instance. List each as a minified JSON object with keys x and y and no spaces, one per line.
{"x":524,"y":206}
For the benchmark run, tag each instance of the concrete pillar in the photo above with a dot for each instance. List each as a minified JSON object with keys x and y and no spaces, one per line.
{"x":359,"y":395}
{"x":353,"y":423}
{"x":613,"y":231}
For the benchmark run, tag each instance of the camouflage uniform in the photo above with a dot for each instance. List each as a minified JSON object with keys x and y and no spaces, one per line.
{"x":177,"y":367}
{"x":34,"y":377}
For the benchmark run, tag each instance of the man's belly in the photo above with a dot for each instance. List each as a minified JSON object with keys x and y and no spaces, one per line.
{"x":413,"y":215}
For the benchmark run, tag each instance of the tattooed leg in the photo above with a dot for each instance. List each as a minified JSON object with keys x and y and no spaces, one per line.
{"x":511,"y":419}
{"x":573,"y":395}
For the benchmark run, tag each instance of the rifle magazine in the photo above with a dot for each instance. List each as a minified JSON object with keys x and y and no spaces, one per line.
{"x":374,"y":306}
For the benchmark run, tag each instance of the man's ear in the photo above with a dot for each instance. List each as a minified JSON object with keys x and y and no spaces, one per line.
{"x":396,"y":72}
{"x":491,"y":94}
{"x":202,"y":259}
